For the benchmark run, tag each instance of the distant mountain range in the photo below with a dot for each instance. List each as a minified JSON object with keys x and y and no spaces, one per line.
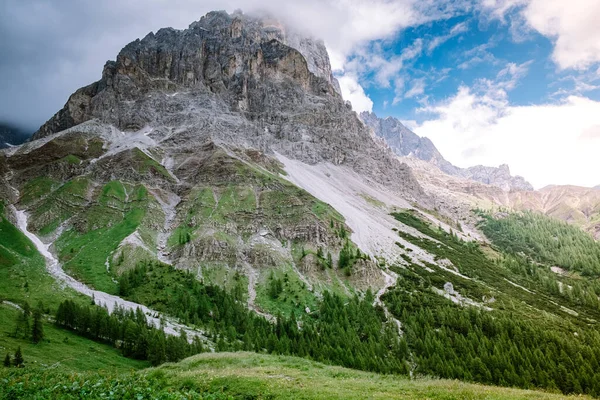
{"x":11,"y":135}
{"x":406,"y":143}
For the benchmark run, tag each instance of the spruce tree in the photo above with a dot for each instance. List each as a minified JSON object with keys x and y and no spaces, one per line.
{"x":37,"y":330}
{"x":18,"y":360}
{"x":157,"y":352}
{"x":7,"y":362}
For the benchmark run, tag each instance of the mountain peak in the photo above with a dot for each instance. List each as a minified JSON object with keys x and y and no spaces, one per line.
{"x":405,"y":142}
{"x":235,"y":79}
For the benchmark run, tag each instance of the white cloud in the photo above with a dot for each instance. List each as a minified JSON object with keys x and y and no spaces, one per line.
{"x":572,"y":25}
{"x":354,"y":93}
{"x":575,"y":26}
{"x":478,"y":55}
{"x":509,"y":76}
{"x":439,"y":40}
{"x":500,"y":8}
{"x":398,"y":89}
{"x":417,"y":89}
{"x":547,"y":143}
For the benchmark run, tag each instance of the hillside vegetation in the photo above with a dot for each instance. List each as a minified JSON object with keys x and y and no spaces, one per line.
{"x":545,"y":240}
{"x":25,"y":283}
{"x":247,"y":376}
{"x":494,"y":320}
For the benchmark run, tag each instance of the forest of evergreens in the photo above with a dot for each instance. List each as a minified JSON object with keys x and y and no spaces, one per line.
{"x":545,"y":240}
{"x":499,"y":347}
{"x":127,"y":330}
{"x":495,"y":347}
{"x":504,"y":346}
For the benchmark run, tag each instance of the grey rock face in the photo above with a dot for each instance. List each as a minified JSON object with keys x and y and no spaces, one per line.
{"x":404,"y":142}
{"x":499,"y":176}
{"x":237,"y":81}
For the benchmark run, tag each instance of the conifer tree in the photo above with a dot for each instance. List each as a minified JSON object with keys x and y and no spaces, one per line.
{"x":320,"y":252}
{"x":18,"y":360}
{"x":157,"y":349}
{"x":37,"y":330}
{"x":7,"y":361}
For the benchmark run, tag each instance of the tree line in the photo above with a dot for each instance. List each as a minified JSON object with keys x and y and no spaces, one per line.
{"x":29,"y":324}
{"x":545,"y":240}
{"x":127,"y":330}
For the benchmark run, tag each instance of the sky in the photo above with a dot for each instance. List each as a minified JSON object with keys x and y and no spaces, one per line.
{"x":489,"y":81}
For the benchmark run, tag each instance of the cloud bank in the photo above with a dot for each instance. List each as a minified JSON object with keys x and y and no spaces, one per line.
{"x":547,"y":143}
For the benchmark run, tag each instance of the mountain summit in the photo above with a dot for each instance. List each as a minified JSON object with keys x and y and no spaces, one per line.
{"x":219,"y":149}
{"x":405,"y":143}
{"x":236,"y":80}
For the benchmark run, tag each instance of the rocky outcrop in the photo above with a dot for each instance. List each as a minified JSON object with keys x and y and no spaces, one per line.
{"x":406,"y":143}
{"x":239,"y":81}
{"x":499,"y":176}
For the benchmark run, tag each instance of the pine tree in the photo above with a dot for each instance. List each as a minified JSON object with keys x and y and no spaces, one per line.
{"x":124,"y":285}
{"x":37,"y":330}
{"x":18,"y":360}
{"x":7,"y":361}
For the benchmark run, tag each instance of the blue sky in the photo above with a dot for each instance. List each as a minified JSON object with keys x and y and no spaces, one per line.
{"x":461,"y":51}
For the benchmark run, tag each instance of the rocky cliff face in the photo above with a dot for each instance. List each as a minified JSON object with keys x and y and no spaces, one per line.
{"x":236,"y":80}
{"x":404,"y":142}
{"x":577,"y":205}
{"x":497,"y":176}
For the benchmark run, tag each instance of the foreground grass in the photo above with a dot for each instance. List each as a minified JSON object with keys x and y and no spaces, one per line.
{"x":256,"y":376}
{"x":244,"y":376}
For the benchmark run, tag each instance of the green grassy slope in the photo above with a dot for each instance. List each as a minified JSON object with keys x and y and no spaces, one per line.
{"x":248,"y":376}
{"x":22,"y":272}
{"x":117,"y":212}
{"x":516,"y":326}
{"x":61,"y":348}
{"x":23,"y":278}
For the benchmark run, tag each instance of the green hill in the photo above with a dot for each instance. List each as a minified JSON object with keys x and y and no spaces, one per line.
{"x":247,"y":376}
